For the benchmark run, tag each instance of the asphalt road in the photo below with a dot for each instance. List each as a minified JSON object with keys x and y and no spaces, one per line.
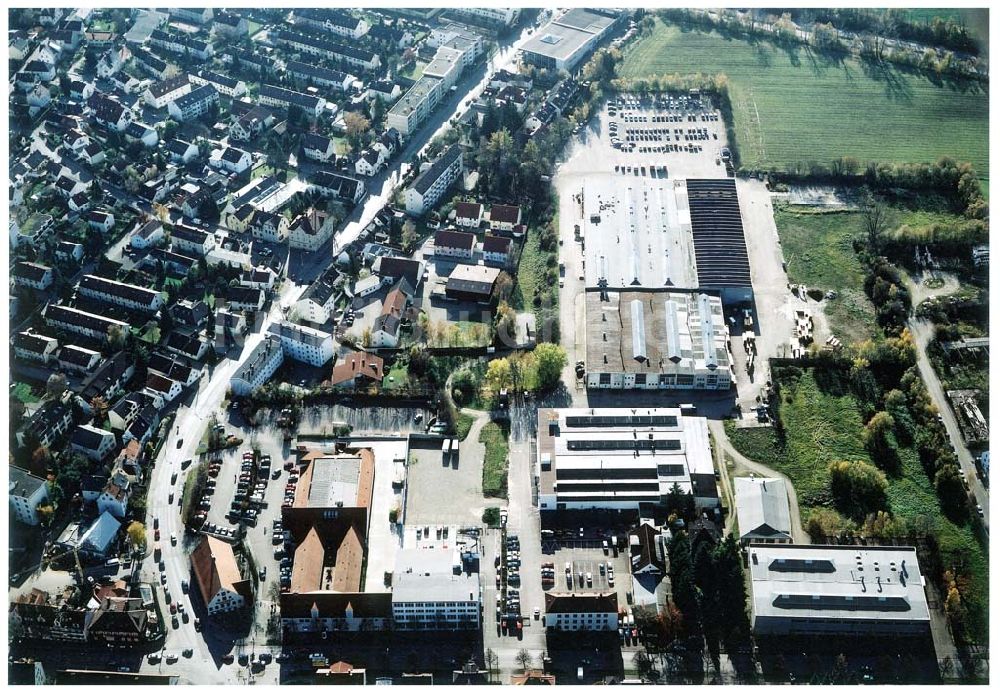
{"x":923,"y":333}
{"x":181,"y":443}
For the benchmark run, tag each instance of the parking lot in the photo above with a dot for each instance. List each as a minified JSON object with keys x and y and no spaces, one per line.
{"x":372,"y":419}
{"x":446,"y":490}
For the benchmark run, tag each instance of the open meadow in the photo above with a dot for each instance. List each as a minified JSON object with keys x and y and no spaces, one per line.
{"x":795,"y":105}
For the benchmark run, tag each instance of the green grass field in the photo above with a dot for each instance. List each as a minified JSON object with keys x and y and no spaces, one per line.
{"x":797,"y":105}
{"x":25,"y":393}
{"x":494,"y":436}
{"x":463,"y":424}
{"x":822,"y":425}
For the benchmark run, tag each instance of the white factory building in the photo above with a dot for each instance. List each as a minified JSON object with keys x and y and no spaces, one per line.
{"x":836,"y":590}
{"x":617,"y":458}
{"x":432,"y":591}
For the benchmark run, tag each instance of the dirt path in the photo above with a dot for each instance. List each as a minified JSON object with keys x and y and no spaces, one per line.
{"x":799,"y":535}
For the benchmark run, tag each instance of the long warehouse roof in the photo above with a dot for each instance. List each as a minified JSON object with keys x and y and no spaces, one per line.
{"x":720,"y":246}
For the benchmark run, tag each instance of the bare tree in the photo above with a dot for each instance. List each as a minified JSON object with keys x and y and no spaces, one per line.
{"x":875,"y":217}
{"x":523,"y":659}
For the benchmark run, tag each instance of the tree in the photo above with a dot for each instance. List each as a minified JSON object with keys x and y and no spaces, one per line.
{"x":950,"y":490}
{"x":355,"y":125}
{"x":550,"y":361}
{"x":524,"y":658}
{"x":682,"y":583}
{"x":499,"y":375}
{"x":100,"y":407}
{"x":874,"y":215}
{"x":408,"y":237}
{"x":56,"y":385}
{"x":858,"y":488}
{"x":643,"y":664}
{"x":504,"y":325}
{"x":137,"y":534}
{"x":876,"y":432}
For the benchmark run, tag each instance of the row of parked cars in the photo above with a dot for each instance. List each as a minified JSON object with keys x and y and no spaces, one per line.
{"x":251,"y":485}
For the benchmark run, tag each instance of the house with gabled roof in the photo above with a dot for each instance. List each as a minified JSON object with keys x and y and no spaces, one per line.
{"x":31,"y":346}
{"x":33,"y":275}
{"x":96,"y":444}
{"x":217,"y":575}
{"x":762,"y":510}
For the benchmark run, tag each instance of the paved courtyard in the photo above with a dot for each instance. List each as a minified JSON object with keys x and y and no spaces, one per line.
{"x":446,"y":491}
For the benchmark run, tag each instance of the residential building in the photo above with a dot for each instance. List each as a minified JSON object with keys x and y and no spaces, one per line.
{"x":119,"y":621}
{"x":230,"y":327}
{"x":385,"y":330}
{"x":318,"y":147}
{"x":331,"y":50}
{"x":504,"y":217}
{"x":334,"y":21}
{"x":192,"y":15}
{"x":191,"y":240}
{"x":180,"y":151}
{"x":245,"y":299}
{"x":251,"y":122}
{"x":269,"y":226}
{"x":310,"y":230}
{"x":281,"y":98}
{"x":100,"y":220}
{"x":120,"y":294}
{"x":413,"y":108}
{"x":217,"y":575}
{"x":79,"y":359}
{"x":472,"y":283}
{"x":26,"y":493}
{"x":357,"y":370}
{"x":107,"y":380}
{"x":224,"y":84}
{"x":162,"y":389}
{"x":30,"y":346}
{"x":48,"y":424}
{"x":258,"y":278}
{"x":258,"y":367}
{"x":179,"y":43}
{"x":319,"y":75}
{"x":33,"y":275}
{"x":304,"y":344}
{"x":581,"y":611}
{"x":152,"y":65}
{"x":497,"y":250}
{"x":428,"y":187}
{"x":231,"y":25}
{"x":342,"y":187}
{"x":159,"y":94}
{"x":96,"y":444}
{"x":73,"y":320}
{"x":137,"y":131}
{"x":111,"y":62}
{"x":505,"y":16}
{"x":564,"y":42}
{"x":454,"y":244}
{"x":194,"y":104}
{"x":110,"y":113}
{"x":392,"y":269}
{"x":114,"y":497}
{"x":647,"y":549}
{"x":656,"y":339}
{"x":368,"y":163}
{"x":147,"y":234}
{"x":433,"y":591}
{"x":762,"y":510}
{"x":610,"y":458}
{"x":231,"y":159}
{"x":319,"y":299}
{"x":468,"y":214}
{"x":384,"y":90}
{"x":836,"y":590}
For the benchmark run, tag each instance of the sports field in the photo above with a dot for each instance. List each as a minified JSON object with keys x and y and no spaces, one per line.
{"x":797,"y":105}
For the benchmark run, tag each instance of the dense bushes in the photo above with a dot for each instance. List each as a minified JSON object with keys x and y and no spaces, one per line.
{"x":858,"y":488}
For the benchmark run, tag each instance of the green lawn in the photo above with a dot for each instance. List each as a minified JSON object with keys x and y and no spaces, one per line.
{"x":253,"y":27}
{"x":822,"y":424}
{"x":25,"y":393}
{"x":495,"y":435}
{"x":463,"y":424}
{"x":530,"y":272}
{"x":796,"y":105}
{"x":415,"y":71}
{"x":397,"y":377}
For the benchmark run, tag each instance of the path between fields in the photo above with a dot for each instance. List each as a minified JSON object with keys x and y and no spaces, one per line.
{"x":799,"y":535}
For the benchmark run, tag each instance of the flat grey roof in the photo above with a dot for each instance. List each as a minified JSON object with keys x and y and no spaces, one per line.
{"x":637,"y":232}
{"x":837,"y":583}
{"x":425,"y":575}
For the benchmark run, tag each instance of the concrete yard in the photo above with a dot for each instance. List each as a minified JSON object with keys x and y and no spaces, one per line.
{"x":440,"y":491}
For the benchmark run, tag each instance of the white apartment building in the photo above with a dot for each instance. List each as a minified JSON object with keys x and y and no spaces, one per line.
{"x":413,"y":108}
{"x":318,"y":300}
{"x":301,"y":343}
{"x":581,"y":611}
{"x":428,"y":187}
{"x":431,"y":591}
{"x":309,"y":231}
{"x":74,"y":320}
{"x":120,"y":293}
{"x":258,"y":368}
{"x":493,"y":15}
{"x":195,"y":103}
{"x":231,"y":87}
{"x":25,"y":492}
{"x":613,"y":458}
{"x":159,"y":94}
